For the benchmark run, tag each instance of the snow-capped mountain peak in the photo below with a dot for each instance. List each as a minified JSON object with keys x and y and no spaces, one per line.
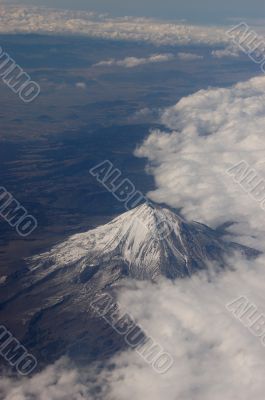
{"x":147,"y":241}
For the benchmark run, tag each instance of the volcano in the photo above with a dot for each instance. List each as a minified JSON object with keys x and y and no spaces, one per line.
{"x":146,"y":242}
{"x":54,"y":294}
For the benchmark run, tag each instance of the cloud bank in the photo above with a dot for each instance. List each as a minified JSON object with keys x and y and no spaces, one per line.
{"x":209,"y":132}
{"x":19,"y":19}
{"x":215,"y":356}
{"x":206,"y":134}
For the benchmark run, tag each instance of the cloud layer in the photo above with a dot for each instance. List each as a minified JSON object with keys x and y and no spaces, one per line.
{"x":42,"y":20}
{"x":215,"y":355}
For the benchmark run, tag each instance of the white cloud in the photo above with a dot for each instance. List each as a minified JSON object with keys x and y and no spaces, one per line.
{"x":81,"y":85}
{"x":3,"y":278}
{"x":215,"y":356}
{"x":146,"y":114}
{"x":189,"y":56}
{"x":43,"y":20}
{"x":59,"y":381}
{"x":227,"y":52}
{"x":210,"y":131}
{"x":131,"y":62}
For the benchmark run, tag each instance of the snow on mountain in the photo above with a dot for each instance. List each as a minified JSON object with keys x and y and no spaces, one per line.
{"x":149,"y":241}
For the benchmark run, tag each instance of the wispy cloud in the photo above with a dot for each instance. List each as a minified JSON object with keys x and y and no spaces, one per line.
{"x":226,"y":52}
{"x":189,"y":56}
{"x":81,"y":85}
{"x":131,"y":62}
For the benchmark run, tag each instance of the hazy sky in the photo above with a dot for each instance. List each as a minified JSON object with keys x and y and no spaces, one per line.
{"x":198,"y":10}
